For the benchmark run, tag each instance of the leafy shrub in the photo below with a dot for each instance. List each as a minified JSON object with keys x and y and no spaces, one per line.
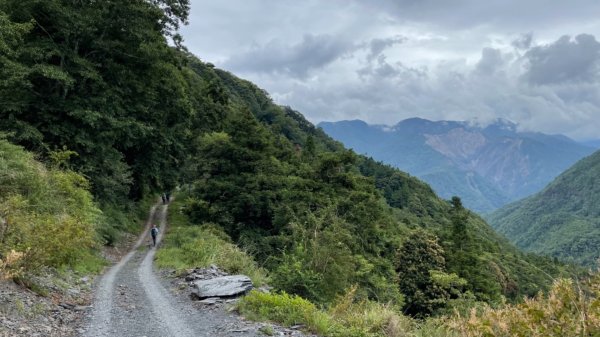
{"x":321,"y":263}
{"x":47,"y":215}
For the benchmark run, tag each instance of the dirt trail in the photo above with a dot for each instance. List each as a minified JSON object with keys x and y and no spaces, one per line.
{"x":131,"y":300}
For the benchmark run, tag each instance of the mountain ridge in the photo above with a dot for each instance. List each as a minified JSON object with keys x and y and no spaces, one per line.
{"x":488,"y":166}
{"x":562,"y":220}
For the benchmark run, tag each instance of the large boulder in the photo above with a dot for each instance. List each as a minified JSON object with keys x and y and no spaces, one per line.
{"x":224,"y":286}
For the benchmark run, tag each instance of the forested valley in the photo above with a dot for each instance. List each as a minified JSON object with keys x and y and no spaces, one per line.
{"x":102,"y":107}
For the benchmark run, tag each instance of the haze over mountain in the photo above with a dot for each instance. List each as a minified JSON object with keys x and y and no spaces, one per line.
{"x":486,"y":166}
{"x":563,"y":220}
{"x":593,"y":143}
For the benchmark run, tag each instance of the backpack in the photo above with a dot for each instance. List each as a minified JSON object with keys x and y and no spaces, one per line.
{"x":154,"y":231}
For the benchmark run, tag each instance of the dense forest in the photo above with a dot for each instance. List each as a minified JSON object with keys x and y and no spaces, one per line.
{"x":102,"y":97}
{"x":561,"y":220}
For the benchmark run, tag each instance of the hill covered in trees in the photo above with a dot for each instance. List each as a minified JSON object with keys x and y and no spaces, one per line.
{"x":97,"y":84}
{"x":561,"y":220}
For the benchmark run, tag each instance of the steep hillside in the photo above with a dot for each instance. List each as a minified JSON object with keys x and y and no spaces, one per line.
{"x":488,"y":167}
{"x":563,"y":220}
{"x":413,"y":202}
{"x":38,"y":201}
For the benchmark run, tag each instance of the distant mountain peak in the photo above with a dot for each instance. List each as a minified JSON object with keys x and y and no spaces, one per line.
{"x":505,"y":124}
{"x":416,"y":120}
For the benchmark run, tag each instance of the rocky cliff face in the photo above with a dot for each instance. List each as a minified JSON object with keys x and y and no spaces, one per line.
{"x":502,"y":162}
{"x":486,"y":166}
{"x":457,"y":144}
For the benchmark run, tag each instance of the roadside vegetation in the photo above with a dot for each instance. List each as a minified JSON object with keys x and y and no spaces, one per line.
{"x":568,"y":309}
{"x":346,"y":317}
{"x":186,"y":246}
{"x":47,"y":216}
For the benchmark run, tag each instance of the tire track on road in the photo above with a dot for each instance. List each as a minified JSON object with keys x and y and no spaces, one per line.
{"x":157,"y":294}
{"x":103,"y":301}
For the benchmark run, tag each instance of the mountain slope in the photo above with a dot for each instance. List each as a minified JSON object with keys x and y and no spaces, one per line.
{"x":487,"y":167}
{"x":563,"y":220}
{"x":413,"y":202}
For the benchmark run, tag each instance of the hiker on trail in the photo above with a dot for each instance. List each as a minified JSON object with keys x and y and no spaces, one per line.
{"x":154,"y":233}
{"x":168,"y":195}
{"x":164,"y":198}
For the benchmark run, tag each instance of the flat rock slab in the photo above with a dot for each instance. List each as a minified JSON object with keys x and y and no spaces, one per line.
{"x":224,"y":286}
{"x":210,"y":300}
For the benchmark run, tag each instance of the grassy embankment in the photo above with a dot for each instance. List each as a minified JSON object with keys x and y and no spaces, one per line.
{"x":187,"y":245}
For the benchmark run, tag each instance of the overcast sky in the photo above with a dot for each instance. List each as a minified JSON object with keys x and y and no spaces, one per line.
{"x":534,"y":62}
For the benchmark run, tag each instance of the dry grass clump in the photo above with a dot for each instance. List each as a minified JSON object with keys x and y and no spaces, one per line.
{"x":569,"y":309}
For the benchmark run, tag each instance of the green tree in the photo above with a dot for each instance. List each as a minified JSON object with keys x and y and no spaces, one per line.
{"x":100,"y":78}
{"x":467,"y":256}
{"x":420,"y":256}
{"x":459,"y":217}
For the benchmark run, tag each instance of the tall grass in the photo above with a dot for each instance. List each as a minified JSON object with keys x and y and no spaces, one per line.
{"x":288,"y":310}
{"x":569,"y":309}
{"x":347,"y":317}
{"x":190,"y":246}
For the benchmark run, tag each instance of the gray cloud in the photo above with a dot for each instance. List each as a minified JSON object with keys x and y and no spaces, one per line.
{"x":296,"y":60}
{"x":523,"y":42}
{"x":516,"y":14}
{"x":491,"y":60}
{"x":564,"y":60}
{"x":377,"y":46}
{"x":496,"y":86}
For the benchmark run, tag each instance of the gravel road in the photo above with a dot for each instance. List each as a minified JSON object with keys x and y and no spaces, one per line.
{"x":131,"y":300}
